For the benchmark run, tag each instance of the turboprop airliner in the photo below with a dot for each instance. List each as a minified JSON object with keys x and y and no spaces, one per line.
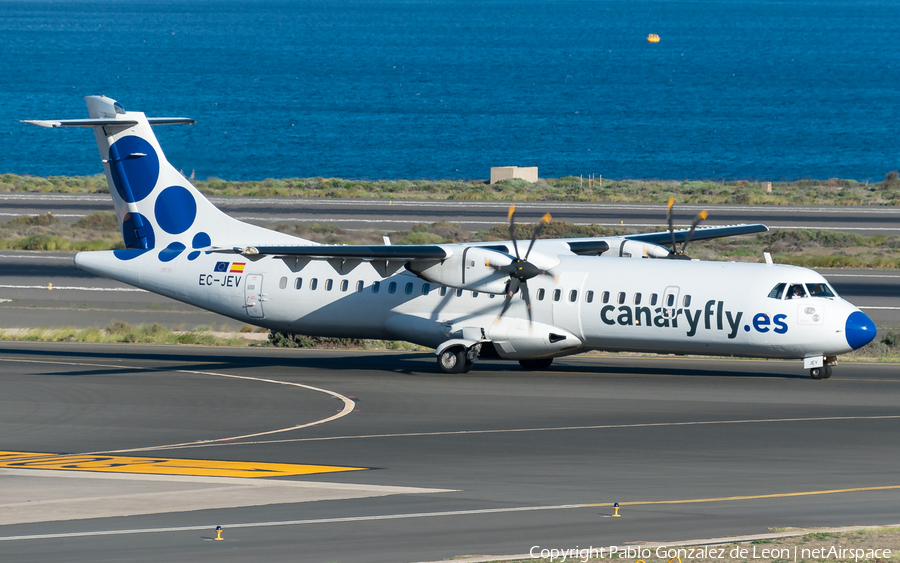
{"x":528,"y":302}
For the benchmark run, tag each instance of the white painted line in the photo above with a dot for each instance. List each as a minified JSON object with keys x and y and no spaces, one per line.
{"x":860,"y":276}
{"x":54,"y":214}
{"x":37,"y":257}
{"x":5,"y":300}
{"x":211,"y":527}
{"x":73,"y":288}
{"x":882,"y":308}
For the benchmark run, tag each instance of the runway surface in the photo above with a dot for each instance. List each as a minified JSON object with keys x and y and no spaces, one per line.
{"x":474,"y":216}
{"x":82,"y":299}
{"x":492,"y":462}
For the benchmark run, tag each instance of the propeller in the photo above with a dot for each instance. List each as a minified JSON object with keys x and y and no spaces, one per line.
{"x":520,"y":270}
{"x":675,"y":253}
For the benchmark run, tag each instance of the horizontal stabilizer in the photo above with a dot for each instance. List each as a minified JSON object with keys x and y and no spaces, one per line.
{"x":664,"y":237}
{"x":325,"y":251}
{"x":103,"y":121}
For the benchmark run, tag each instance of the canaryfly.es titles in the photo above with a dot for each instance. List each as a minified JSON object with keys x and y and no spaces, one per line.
{"x":713,"y":316}
{"x":665,"y":553}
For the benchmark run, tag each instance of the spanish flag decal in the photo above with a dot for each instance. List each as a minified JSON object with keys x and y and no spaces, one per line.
{"x":237,"y":267}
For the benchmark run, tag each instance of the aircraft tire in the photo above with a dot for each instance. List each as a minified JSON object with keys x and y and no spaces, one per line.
{"x":827,"y":373}
{"x":536,"y":365}
{"x":453,"y":360}
{"x":817,"y":373}
{"x":467,"y":366}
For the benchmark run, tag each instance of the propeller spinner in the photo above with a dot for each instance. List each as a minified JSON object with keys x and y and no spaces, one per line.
{"x":520,"y":270}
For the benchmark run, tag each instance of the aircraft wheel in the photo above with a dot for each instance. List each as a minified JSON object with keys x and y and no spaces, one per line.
{"x":467,"y":366}
{"x":535,"y":365}
{"x":452,"y":360}
{"x":817,"y":373}
{"x":827,"y":373}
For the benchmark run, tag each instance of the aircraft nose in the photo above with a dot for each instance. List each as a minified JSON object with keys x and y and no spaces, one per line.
{"x":860,"y":330}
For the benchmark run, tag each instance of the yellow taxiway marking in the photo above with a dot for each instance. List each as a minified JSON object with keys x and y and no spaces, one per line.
{"x":161,"y":466}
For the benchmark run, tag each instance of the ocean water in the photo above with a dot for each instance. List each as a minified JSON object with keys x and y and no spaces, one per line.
{"x":371,"y":89}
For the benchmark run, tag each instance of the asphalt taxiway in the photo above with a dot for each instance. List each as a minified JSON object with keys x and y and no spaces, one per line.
{"x":476,"y":215}
{"x":435,"y":466}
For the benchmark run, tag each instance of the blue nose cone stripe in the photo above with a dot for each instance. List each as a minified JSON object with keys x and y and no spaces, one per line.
{"x":860,"y":330}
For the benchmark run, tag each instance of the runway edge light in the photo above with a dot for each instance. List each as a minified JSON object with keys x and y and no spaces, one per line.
{"x":219,"y":533}
{"x":616,"y":509}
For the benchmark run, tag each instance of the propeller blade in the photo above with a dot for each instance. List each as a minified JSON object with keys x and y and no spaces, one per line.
{"x":512,"y":229}
{"x":670,"y":220}
{"x":700,"y":217}
{"x":527,"y":301}
{"x":537,"y":232}
{"x":511,"y":291}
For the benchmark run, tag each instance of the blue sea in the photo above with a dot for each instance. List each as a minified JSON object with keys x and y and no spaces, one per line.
{"x":386,"y":89}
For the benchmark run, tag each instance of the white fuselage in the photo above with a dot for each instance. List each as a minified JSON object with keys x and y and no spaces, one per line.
{"x":595,"y":303}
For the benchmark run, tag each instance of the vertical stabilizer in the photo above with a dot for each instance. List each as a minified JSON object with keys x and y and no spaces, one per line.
{"x":157,"y":207}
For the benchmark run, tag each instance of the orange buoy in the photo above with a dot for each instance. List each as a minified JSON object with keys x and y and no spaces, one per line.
{"x":653,"y":38}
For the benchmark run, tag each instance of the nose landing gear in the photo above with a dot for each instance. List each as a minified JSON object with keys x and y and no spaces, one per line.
{"x":823,"y":372}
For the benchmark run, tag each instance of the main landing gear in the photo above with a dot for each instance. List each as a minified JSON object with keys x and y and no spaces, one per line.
{"x":458,"y":359}
{"x":823,"y":372}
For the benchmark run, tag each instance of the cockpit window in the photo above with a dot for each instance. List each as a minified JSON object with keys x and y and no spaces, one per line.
{"x":777,"y":291}
{"x":819,"y":290}
{"x":796,"y":291}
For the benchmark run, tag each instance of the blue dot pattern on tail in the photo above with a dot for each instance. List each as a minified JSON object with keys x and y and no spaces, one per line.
{"x":175,"y":210}
{"x":136,"y":158}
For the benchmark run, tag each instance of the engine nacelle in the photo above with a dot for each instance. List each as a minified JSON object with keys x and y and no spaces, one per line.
{"x":635,"y":249}
{"x":474,"y":268}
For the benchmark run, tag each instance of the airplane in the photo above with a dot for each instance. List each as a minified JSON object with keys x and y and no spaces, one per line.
{"x":551,"y":298}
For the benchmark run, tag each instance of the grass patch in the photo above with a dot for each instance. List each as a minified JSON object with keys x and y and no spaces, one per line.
{"x":570,"y":188}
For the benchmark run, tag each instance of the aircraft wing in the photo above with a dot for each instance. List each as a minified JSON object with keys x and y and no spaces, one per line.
{"x":360,"y":252}
{"x":664,"y":237}
{"x":395,"y":253}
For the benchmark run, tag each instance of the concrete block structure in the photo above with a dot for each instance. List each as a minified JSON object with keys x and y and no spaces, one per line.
{"x":528,"y":173}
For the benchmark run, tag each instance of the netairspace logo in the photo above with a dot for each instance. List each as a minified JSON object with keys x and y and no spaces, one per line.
{"x":665,"y":553}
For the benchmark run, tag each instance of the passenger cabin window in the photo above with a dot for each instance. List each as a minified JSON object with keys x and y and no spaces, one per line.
{"x":344,"y":285}
{"x":282,"y":283}
{"x":328,"y":285}
{"x":819,"y":290}
{"x":359,"y":286}
{"x":604,"y":297}
{"x":637,"y":298}
{"x":796,"y":291}
{"x":392,"y":287}
{"x":459,"y":293}
{"x":670,"y":300}
{"x":409,"y":288}
{"x":653,"y":299}
{"x":621,"y":298}
{"x":376,"y":286}
{"x":540,"y":294}
{"x":474,"y":294}
{"x":589,"y":297}
{"x":298,"y":283}
{"x":777,"y":291}
{"x":443,"y":291}
{"x":426,"y":288}
{"x":686,"y":302}
{"x":313,"y":284}
{"x":557,"y":293}
{"x":573,"y":296}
